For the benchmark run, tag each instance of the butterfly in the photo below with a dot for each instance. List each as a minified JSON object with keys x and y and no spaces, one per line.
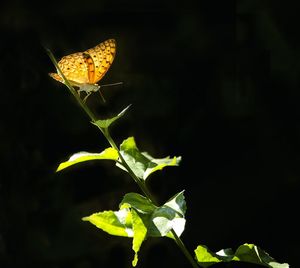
{"x":85,"y":69}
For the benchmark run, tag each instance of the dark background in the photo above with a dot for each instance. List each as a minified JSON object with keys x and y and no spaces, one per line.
{"x":214,"y":81}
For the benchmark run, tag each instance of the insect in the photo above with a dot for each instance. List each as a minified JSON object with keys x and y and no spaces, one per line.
{"x":85,"y":69}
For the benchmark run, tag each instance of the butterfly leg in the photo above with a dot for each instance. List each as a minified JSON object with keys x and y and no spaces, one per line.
{"x":87,"y":94}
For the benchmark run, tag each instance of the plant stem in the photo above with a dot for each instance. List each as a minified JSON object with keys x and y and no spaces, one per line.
{"x":110,"y":140}
{"x":71,"y":88}
{"x":183,"y":248}
{"x":140,"y":183}
{"x":147,"y":193}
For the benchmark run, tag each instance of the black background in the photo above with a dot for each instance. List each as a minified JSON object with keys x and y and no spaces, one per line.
{"x":214,"y":81}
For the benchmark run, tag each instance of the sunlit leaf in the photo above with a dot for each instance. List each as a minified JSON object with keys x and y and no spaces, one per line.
{"x":141,"y":163}
{"x":245,"y":253}
{"x":254,"y":254}
{"x":139,"y":203}
{"x":177,"y":203}
{"x":107,"y":154}
{"x":159,"y":164}
{"x":117,"y":223}
{"x":139,"y":234}
{"x":159,"y":220}
{"x":107,"y":122}
{"x":139,"y":218}
{"x":170,"y":216}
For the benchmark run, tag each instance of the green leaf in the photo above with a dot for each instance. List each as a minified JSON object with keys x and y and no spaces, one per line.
{"x":107,"y":154}
{"x":245,"y":253}
{"x":139,"y":203}
{"x":177,"y":203}
{"x":156,"y":164}
{"x":139,"y":234}
{"x":207,"y":258}
{"x":139,"y":218}
{"x":159,"y":220}
{"x":155,"y":221}
{"x":141,"y":163}
{"x":170,"y":216}
{"x":125,"y":222}
{"x":107,"y":122}
{"x":252,"y":253}
{"x":117,"y":223}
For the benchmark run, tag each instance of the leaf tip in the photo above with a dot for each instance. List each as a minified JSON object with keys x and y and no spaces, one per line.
{"x":87,"y":218}
{"x":135,"y":260}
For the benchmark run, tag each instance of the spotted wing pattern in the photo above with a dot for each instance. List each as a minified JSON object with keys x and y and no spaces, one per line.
{"x":102,"y":56}
{"x":87,"y":67}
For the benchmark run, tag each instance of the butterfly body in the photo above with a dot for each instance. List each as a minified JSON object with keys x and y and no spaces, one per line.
{"x":85,"y":69}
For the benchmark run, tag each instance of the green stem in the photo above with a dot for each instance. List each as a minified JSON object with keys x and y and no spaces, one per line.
{"x":107,"y":135}
{"x":183,"y":248}
{"x":147,"y":193}
{"x":140,"y":183}
{"x":71,"y":88}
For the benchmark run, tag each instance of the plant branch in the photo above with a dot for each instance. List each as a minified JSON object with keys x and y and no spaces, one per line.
{"x":71,"y":88}
{"x":183,"y":248}
{"x":147,"y":193}
{"x":107,"y":135}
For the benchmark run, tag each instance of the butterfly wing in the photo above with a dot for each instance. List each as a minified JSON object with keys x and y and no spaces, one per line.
{"x":74,"y":67}
{"x":90,"y":67}
{"x":87,"y":67}
{"x":57,"y":77}
{"x":102,"y":56}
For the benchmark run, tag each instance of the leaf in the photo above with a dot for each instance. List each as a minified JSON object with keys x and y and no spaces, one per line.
{"x":252,"y":253}
{"x":117,"y":223}
{"x":207,"y":258}
{"x":245,"y":253}
{"x":107,"y":154}
{"x":125,"y":222}
{"x":107,"y":122}
{"x":170,"y":216}
{"x":177,"y":203}
{"x":141,"y":163}
{"x":139,"y":218}
{"x":159,"y":164}
{"x":139,"y":234}
{"x":139,"y":203}
{"x":159,"y":220}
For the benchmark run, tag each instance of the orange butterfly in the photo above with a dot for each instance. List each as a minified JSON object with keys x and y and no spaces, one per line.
{"x":85,"y":69}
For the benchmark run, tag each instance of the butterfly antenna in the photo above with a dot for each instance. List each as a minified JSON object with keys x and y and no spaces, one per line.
{"x":113,"y":84}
